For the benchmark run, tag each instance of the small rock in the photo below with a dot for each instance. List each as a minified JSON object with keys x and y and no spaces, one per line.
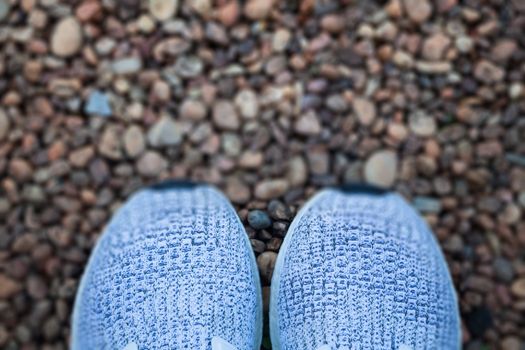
{"x":247,"y":103}
{"x":308,"y":124}
{"x":280,"y":40}
{"x":202,"y":7}
{"x":228,"y":14}
{"x":8,"y":287}
{"x":193,"y":110}
{"x":488,"y":73}
{"x":66,"y":39}
{"x":4,"y":125}
{"x":4,"y":9}
{"x":435,"y":46}
{"x":20,"y":169}
{"x":151,"y":164}
{"x":427,"y":204}
{"x":503,"y":269}
{"x":381,"y":168}
{"x":337,"y":103}
{"x":258,"y":9}
{"x":163,"y":9}
{"x":134,"y":143}
{"x":503,"y":50}
{"x":365,"y":110}
{"x":165,"y":132}
{"x":87,"y":10}
{"x":127,"y":65}
{"x":81,"y":157}
{"x":422,"y":124}
{"x":98,"y":104}
{"x":275,"y":65}
{"x":418,"y":10}
{"x":251,"y":160}
{"x":512,"y":343}
{"x":266,"y":264}
{"x":271,"y":189}
{"x":464,"y":44}
{"x":189,"y":66}
{"x":297,"y":173}
{"x":109,"y":145}
{"x":518,"y":288}
{"x":443,"y":6}
{"x":279,"y":211}
{"x":333,"y":23}
{"x":259,"y":220}
{"x":224,"y":116}
{"x":237,"y":191}
{"x":431,"y":67}
{"x":216,"y":33}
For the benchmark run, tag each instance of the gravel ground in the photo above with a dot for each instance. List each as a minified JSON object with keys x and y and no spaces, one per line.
{"x":270,"y":101}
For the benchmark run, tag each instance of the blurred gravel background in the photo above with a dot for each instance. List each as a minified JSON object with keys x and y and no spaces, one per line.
{"x":270,"y":101}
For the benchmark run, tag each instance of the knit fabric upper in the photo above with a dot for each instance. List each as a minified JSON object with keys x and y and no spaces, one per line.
{"x":362,"y":271}
{"x":172,"y":270}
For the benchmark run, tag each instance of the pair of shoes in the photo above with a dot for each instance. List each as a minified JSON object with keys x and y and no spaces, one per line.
{"x":175,"y":270}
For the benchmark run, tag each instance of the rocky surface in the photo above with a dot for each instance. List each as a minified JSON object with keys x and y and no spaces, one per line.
{"x":270,"y":101}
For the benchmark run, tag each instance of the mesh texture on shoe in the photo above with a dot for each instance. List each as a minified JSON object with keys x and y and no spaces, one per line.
{"x":172,"y":270}
{"x":360,"y":271}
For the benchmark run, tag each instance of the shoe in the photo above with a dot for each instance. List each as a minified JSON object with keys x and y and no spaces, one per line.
{"x":360,"y":269}
{"x":173,"y":270}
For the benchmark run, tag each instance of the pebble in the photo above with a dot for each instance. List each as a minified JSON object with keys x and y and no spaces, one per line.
{"x":270,"y":189}
{"x":518,"y":288}
{"x":81,"y":157}
{"x":4,"y":125}
{"x":98,"y":104}
{"x":418,"y":10}
{"x":4,"y":9}
{"x":228,"y":14}
{"x":266,"y":263}
{"x":237,"y":191}
{"x":279,"y":211}
{"x":365,"y":110}
{"x":297,"y":173}
{"x":165,"y":132}
{"x":427,"y":204}
{"x":225,"y":116}
{"x":109,"y":145}
{"x":247,"y":103}
{"x":189,"y":66}
{"x":134,"y":141}
{"x":20,"y":169}
{"x":422,"y":124}
{"x":193,"y":110}
{"x":259,"y":220}
{"x":503,"y":269}
{"x":308,"y":124}
{"x":151,"y":164}
{"x":163,"y":9}
{"x":435,"y":46}
{"x":488,"y":73}
{"x":8,"y":287}
{"x":66,"y":38}
{"x":430,"y":67}
{"x":258,"y":9}
{"x":87,"y":10}
{"x":127,"y":65}
{"x":381,"y":168}
{"x":202,"y":7}
{"x":280,"y":39}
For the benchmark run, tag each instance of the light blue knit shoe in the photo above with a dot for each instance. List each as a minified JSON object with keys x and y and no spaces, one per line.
{"x":173,"y":270}
{"x":361,"y":271}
